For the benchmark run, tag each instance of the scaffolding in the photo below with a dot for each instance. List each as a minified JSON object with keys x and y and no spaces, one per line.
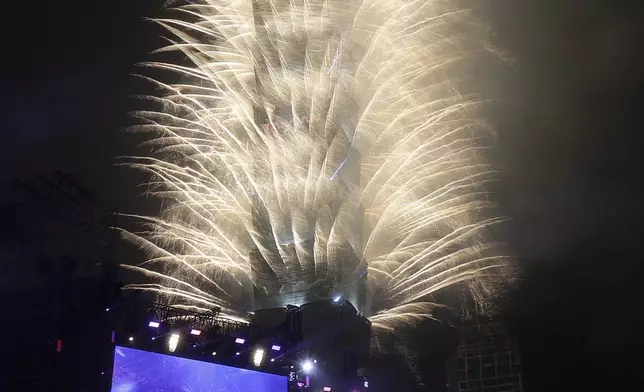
{"x":208,"y":322}
{"x":57,"y":245}
{"x":55,"y":228}
{"x":486,"y":360}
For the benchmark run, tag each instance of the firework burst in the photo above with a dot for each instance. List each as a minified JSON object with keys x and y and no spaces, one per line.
{"x":324,"y":148}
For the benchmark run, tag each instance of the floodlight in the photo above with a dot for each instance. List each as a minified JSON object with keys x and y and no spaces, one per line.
{"x":258,"y":357}
{"x":173,"y":342}
{"x":307,"y":366}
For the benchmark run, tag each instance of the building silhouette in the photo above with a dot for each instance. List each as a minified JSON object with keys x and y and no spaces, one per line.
{"x":486,"y":360}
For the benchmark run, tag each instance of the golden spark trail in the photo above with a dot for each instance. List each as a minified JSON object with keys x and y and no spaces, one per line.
{"x":321,"y":147}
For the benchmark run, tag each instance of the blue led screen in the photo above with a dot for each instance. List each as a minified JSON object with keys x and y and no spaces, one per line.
{"x":144,"y":371}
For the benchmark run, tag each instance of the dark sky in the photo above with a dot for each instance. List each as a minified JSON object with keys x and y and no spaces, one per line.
{"x":570,"y":124}
{"x":572,"y":141}
{"x":66,"y":83}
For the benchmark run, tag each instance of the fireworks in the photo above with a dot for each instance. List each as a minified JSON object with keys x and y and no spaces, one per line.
{"x":320,"y":147}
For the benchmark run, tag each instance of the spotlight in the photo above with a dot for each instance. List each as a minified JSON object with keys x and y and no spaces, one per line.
{"x":276,"y":347}
{"x":315,"y":361}
{"x":214,"y":353}
{"x":326,"y":389}
{"x":272,"y":359}
{"x":154,"y":324}
{"x":173,"y":342}
{"x":240,"y":341}
{"x":237,"y":353}
{"x":307,"y":366}
{"x":131,"y":338}
{"x":258,"y":357}
{"x":107,"y":309}
{"x":366,"y":384}
{"x":337,"y":299}
{"x":195,"y":332}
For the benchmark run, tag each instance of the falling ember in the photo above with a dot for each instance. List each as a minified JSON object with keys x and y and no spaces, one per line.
{"x":318,"y":148}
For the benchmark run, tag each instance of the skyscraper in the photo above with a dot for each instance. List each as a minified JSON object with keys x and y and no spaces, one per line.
{"x":299,"y":283}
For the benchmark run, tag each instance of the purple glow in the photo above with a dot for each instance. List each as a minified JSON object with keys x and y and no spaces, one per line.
{"x":136,"y":370}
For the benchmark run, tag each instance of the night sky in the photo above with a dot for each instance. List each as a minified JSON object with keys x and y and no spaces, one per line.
{"x":570,"y":123}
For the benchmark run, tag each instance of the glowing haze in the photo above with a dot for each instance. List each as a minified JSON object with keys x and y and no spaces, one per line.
{"x":324,"y":148}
